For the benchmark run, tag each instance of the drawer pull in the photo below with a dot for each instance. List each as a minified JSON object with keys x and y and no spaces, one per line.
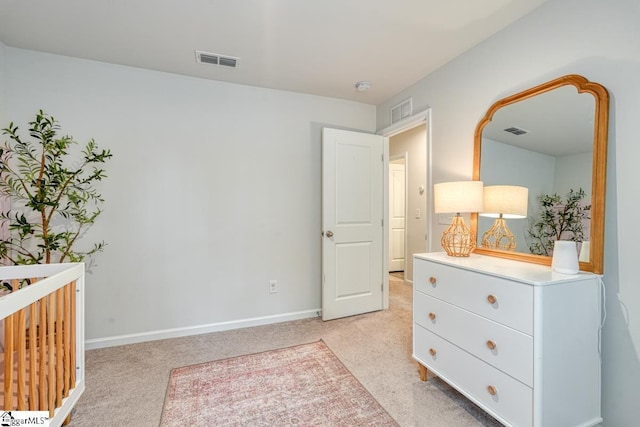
{"x":492,"y":390}
{"x":432,"y":351}
{"x":492,"y":299}
{"x":432,"y":280}
{"x":491,"y":345}
{"x":432,"y":316}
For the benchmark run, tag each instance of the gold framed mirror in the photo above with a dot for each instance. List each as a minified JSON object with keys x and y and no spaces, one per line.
{"x":551,"y":138}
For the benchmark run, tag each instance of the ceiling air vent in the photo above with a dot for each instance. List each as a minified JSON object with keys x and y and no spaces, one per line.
{"x":516,"y":131}
{"x":216,"y":59}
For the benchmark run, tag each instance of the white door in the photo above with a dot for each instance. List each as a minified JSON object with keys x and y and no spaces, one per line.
{"x":396,"y":215}
{"x":352,"y":216}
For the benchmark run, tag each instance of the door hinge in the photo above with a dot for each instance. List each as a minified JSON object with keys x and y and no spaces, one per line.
{"x":382,"y":287}
{"x":382,"y":222}
{"x":382,"y":158}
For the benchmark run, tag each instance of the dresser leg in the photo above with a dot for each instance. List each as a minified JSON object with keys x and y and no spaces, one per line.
{"x":423,"y":372}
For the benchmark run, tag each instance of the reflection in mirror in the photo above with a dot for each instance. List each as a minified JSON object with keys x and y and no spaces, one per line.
{"x":544,"y":144}
{"x":550,"y":139}
{"x":503,"y":202}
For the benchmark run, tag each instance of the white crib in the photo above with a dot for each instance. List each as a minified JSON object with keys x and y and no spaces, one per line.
{"x":42,"y":363}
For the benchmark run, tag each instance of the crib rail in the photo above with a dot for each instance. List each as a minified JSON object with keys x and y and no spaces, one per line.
{"x":43,"y":358}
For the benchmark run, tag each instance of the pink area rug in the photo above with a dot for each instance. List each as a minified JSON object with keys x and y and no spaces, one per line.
{"x":305,"y":385}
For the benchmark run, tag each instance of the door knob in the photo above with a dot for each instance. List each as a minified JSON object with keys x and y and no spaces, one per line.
{"x":329,"y":233}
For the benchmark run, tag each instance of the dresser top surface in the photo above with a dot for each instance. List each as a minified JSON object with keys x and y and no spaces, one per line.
{"x":533,"y":274}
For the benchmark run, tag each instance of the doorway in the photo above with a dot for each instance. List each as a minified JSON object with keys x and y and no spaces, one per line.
{"x":409,"y":145}
{"x":397,"y":212}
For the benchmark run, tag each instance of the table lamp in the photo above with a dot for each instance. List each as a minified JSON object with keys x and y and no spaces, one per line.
{"x":503,"y":202}
{"x":458,"y":197}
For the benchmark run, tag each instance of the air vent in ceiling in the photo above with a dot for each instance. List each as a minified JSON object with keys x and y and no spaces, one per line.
{"x":516,"y":131}
{"x":216,"y":59}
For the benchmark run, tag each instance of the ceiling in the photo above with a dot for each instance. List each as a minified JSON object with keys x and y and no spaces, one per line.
{"x":557,"y":123}
{"x":320,"y":47}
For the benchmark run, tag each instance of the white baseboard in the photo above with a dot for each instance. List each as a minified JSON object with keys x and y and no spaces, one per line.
{"x":95,"y":343}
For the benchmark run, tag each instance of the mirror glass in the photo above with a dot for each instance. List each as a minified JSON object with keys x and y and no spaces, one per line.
{"x":550,"y":139}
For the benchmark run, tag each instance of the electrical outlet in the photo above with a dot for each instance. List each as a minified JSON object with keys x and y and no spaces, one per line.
{"x":273,"y":286}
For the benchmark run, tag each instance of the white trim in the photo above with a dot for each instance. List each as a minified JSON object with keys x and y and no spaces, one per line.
{"x":95,"y":343}
{"x":407,"y":123}
{"x":429,"y":189}
{"x":423,"y":117}
{"x":385,"y":224}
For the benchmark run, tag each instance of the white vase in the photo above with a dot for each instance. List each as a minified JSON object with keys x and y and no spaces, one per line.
{"x":565,"y":257}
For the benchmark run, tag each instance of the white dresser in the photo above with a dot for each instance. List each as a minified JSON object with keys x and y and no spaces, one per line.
{"x":519,"y":340}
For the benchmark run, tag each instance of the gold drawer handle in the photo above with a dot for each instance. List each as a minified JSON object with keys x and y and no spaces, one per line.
{"x":432,"y":280}
{"x":432,"y":316}
{"x":492,"y":299}
{"x":432,"y":351}
{"x":492,"y":390}
{"x":491,"y":345}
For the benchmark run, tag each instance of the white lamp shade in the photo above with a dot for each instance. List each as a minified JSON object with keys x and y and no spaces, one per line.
{"x":458,"y":197}
{"x":509,"y":200}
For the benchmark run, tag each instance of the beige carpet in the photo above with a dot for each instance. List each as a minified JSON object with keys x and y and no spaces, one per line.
{"x":129,"y":382}
{"x":302,"y":385}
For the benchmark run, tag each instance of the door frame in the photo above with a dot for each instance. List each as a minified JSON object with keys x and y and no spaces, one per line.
{"x":417,"y":119}
{"x":405,"y":157}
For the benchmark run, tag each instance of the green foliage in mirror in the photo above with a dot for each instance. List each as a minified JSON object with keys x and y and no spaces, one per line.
{"x":51,"y":191}
{"x":558,"y":219}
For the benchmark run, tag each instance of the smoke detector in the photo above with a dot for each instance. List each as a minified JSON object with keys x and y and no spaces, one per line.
{"x":216,"y":59}
{"x":363,"y":86}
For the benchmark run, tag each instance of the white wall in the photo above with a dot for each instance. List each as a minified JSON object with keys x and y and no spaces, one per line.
{"x":526,"y":168}
{"x":413,"y":142}
{"x":601,"y":41}
{"x":3,"y":60}
{"x":213,"y":190}
{"x":574,"y":172}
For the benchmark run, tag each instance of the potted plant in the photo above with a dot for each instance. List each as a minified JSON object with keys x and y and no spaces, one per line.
{"x":557,"y":219}
{"x":50,"y":192}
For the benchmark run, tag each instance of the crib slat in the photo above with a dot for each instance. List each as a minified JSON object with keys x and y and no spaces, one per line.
{"x":67,"y":339}
{"x":51,"y":362}
{"x":8,"y":362}
{"x":42,"y":350}
{"x":33,"y":347}
{"x":22,"y":361}
{"x":33,"y":355}
{"x":59,"y":349}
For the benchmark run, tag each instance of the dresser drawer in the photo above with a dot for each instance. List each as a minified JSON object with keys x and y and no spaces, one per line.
{"x":512,"y":402}
{"x":507,"y":349}
{"x":506,"y":302}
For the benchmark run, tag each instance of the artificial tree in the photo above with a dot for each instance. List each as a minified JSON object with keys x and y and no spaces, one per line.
{"x":558,"y":219}
{"x":51,"y":193}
